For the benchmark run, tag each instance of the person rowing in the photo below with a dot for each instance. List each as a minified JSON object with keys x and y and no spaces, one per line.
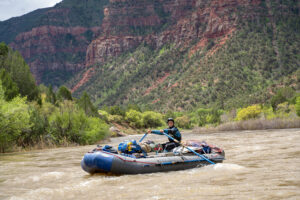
{"x":171,"y":131}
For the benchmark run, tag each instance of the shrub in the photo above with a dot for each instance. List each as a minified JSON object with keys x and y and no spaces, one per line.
{"x":281,"y":96}
{"x":115,"y":118}
{"x":14,"y":119}
{"x":183,"y":122}
{"x":116,"y":110}
{"x":250,"y":112}
{"x":39,"y":124}
{"x":95,"y":130}
{"x":134,"y":118}
{"x":68,"y":123}
{"x":201,"y":114}
{"x":133,"y":107}
{"x":297,"y":106}
{"x":152,"y":119}
{"x":103,"y":114}
{"x":206,"y":116}
{"x":268,"y":112}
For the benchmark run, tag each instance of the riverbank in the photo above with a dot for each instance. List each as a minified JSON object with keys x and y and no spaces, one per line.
{"x":253,"y":124}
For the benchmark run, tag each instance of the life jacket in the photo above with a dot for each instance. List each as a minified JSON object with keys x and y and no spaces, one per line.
{"x":174,"y":132}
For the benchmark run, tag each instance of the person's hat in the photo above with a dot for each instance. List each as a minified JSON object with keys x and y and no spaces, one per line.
{"x":170,"y":119}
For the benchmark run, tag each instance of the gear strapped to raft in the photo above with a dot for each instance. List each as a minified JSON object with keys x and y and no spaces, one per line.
{"x":129,"y":147}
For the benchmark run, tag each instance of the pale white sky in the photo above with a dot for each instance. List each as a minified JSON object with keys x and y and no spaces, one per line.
{"x":14,"y":8}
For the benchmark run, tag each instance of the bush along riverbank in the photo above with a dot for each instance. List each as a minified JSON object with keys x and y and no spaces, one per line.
{"x":281,"y":111}
{"x":57,"y":119}
{"x":26,"y":124}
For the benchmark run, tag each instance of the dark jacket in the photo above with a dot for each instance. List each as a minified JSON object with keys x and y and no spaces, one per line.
{"x":172,"y":131}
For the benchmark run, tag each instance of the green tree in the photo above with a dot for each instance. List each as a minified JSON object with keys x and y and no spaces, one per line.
{"x":3,"y":49}
{"x":51,"y":96}
{"x":20,"y":73}
{"x":10,"y":87}
{"x":85,"y":103}
{"x":64,"y":94}
{"x":3,"y":53}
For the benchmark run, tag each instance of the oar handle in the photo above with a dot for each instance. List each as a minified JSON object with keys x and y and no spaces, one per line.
{"x":201,"y":156}
{"x":143,"y":137}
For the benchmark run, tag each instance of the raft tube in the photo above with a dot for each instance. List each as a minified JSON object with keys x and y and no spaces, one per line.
{"x":106,"y":162}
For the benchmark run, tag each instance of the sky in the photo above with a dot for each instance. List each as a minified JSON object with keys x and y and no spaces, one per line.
{"x":14,"y":8}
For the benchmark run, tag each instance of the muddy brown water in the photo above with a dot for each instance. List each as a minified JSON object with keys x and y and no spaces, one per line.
{"x":258,"y":165}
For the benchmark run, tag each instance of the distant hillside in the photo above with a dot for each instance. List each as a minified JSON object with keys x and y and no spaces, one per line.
{"x":224,"y":53}
{"x":163,"y":54}
{"x":53,"y":41}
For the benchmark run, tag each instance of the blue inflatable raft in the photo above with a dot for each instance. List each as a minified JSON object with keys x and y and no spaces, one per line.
{"x":101,"y":161}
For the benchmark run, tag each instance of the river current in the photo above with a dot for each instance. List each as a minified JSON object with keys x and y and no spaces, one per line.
{"x":259,"y":165}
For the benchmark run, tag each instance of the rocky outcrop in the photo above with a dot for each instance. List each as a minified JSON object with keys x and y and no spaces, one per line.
{"x":106,"y":47}
{"x":47,"y":48}
{"x":116,"y":132}
{"x":163,"y":21}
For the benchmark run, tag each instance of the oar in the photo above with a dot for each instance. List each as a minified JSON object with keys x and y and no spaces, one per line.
{"x":143,"y":137}
{"x":190,"y":149}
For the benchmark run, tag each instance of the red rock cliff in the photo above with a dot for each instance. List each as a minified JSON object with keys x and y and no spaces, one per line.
{"x":163,"y":21}
{"x":52,"y":41}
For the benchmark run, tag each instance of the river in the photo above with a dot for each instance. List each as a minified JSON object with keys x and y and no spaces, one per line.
{"x":259,"y":165}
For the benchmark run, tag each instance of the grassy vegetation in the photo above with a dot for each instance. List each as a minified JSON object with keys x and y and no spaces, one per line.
{"x":253,"y":124}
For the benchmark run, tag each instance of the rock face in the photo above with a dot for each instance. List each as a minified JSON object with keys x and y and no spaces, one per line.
{"x":105,"y":47}
{"x":76,"y":34}
{"x":54,"y":40}
{"x":116,"y":131}
{"x":128,"y":23}
{"x":47,"y":48}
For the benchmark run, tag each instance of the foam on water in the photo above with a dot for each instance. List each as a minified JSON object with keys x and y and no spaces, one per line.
{"x":47,"y":176}
{"x":226,"y":167}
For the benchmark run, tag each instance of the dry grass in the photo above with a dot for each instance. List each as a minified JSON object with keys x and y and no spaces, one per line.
{"x":255,"y":124}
